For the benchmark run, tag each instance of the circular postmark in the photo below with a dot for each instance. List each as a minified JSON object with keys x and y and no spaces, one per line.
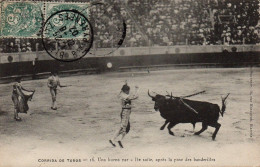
{"x":67,"y":35}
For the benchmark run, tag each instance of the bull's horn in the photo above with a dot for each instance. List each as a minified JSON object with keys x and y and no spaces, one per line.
{"x":149,"y":94}
{"x":224,"y":99}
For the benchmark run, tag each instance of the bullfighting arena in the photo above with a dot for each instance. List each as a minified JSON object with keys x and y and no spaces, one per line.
{"x":88,"y":116}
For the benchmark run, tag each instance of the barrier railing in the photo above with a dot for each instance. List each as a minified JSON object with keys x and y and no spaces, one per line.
{"x":134,"y":51}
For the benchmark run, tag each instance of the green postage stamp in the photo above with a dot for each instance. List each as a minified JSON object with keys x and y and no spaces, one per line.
{"x":25,"y":19}
{"x":64,"y":28}
{"x":21,"y":19}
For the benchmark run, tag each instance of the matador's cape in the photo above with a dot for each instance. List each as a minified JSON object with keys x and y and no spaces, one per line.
{"x":22,"y":98}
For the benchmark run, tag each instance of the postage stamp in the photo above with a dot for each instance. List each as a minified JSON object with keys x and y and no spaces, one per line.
{"x":53,"y":7}
{"x":67,"y":35}
{"x":66,"y":29}
{"x":15,"y":17}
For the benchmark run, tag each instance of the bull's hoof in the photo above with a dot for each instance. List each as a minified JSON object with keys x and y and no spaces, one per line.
{"x":196,"y":133}
{"x":213,"y":138}
{"x":162,"y":128}
{"x":171,"y":133}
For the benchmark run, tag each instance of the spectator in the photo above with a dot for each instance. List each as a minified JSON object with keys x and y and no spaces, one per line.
{"x":167,"y":22}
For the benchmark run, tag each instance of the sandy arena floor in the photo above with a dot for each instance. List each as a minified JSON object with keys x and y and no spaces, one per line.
{"x":88,"y":115}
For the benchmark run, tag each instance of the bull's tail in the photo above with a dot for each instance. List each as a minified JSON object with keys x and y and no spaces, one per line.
{"x":224,"y":104}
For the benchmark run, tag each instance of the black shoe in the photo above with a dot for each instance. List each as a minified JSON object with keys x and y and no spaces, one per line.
{"x":110,"y":141}
{"x":120,"y":144}
{"x":53,"y":108}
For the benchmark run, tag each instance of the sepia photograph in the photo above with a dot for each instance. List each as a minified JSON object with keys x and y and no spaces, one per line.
{"x":129,"y":83}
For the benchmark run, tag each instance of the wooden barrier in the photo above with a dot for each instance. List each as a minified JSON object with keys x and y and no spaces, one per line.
{"x":133,"y":51}
{"x":176,"y":56}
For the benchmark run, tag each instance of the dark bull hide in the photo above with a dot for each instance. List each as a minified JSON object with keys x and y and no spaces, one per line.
{"x":174,"y":111}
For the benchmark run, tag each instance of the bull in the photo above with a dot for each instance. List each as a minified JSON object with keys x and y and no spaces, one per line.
{"x":180,"y":110}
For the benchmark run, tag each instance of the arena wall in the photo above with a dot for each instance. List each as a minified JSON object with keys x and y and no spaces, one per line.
{"x":222,"y":56}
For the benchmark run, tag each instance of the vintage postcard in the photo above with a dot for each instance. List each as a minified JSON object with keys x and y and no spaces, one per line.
{"x":129,"y":83}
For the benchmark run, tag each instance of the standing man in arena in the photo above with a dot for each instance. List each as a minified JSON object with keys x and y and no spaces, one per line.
{"x":126,"y":101}
{"x":20,"y":97}
{"x":53,"y":83}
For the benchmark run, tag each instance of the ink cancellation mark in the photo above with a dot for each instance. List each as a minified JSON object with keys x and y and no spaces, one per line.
{"x":67,"y":35}
{"x":109,"y":28}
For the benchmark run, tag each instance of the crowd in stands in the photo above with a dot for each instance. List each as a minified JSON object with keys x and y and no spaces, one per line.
{"x":196,"y":22}
{"x":244,"y":24}
{"x":107,"y":22}
{"x":20,"y":45}
{"x":173,"y":22}
{"x":166,"y":23}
